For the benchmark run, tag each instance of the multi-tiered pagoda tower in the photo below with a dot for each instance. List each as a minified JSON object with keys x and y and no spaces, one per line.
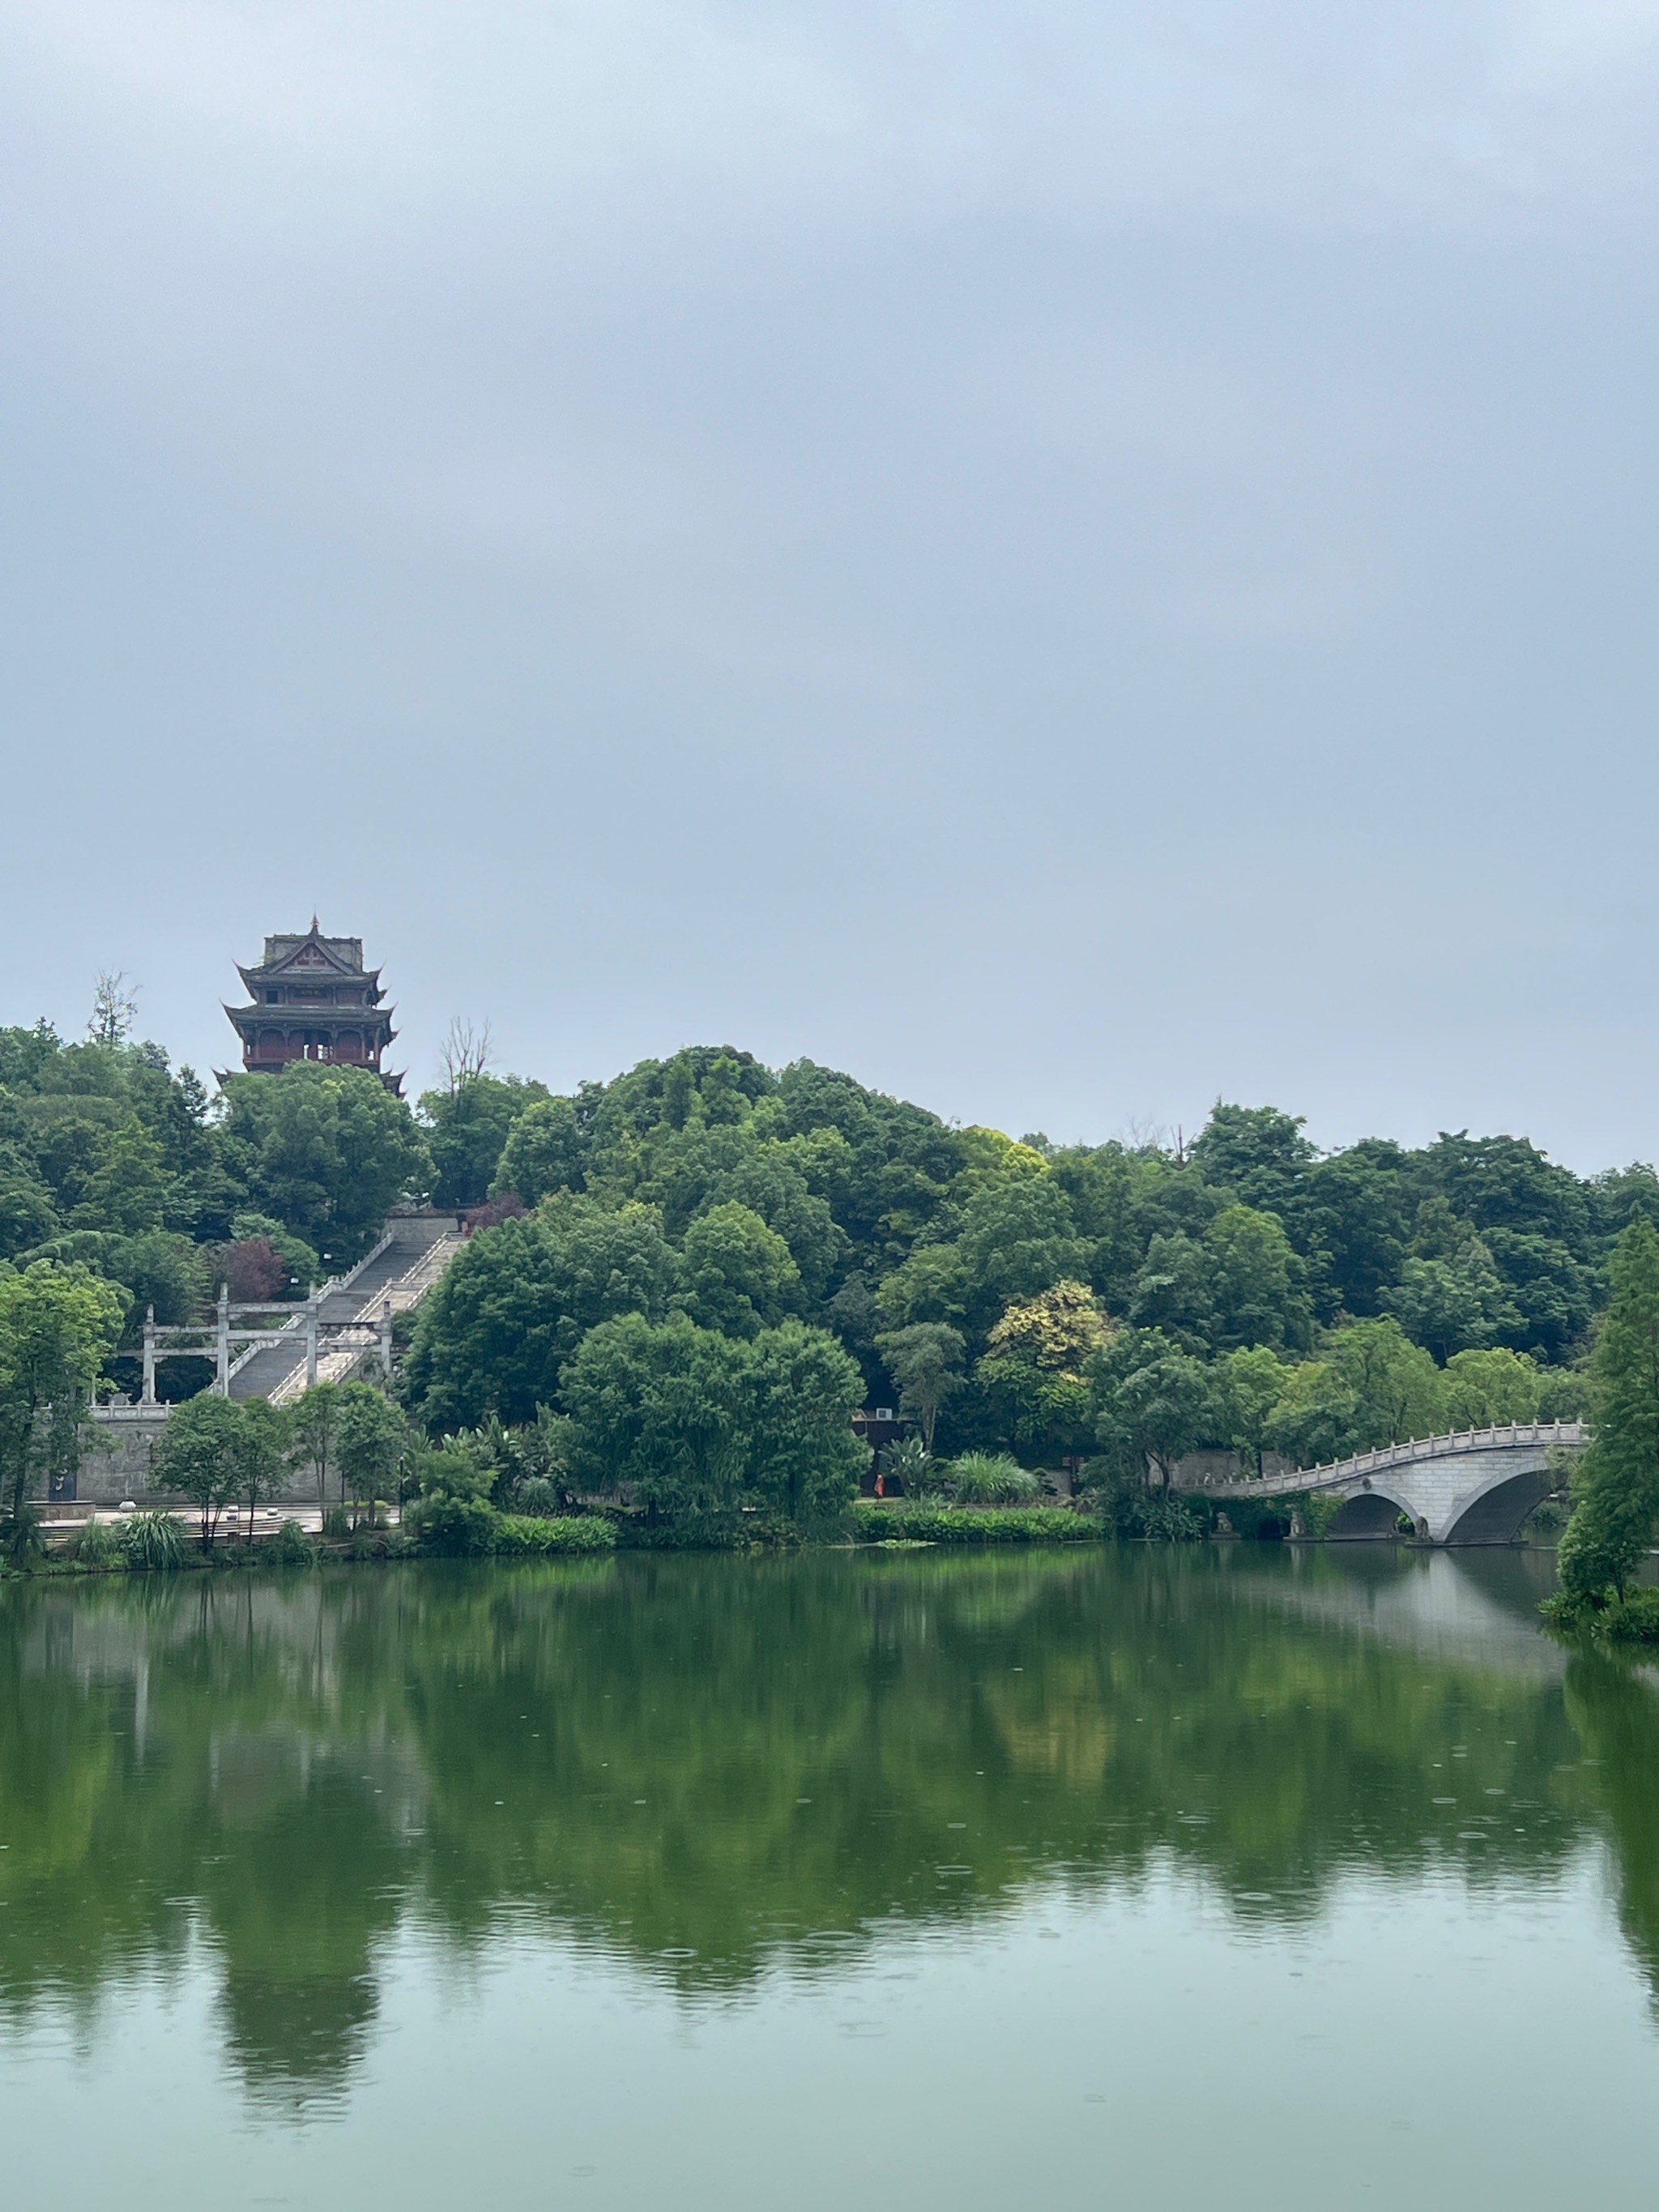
{"x":313,"y":998}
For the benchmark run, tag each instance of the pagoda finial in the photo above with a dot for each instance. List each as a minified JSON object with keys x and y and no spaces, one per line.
{"x":313,"y":924}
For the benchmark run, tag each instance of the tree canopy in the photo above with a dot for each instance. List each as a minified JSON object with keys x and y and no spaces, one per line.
{"x":516,"y":1302}
{"x":699,"y":1425}
{"x":1617,"y":1481}
{"x":467,"y":1128}
{"x":326,"y":1150}
{"x":57,"y":1325}
{"x":1373,"y":1288}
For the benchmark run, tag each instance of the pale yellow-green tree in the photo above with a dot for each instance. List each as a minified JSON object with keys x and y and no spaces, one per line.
{"x":1034,"y":1369}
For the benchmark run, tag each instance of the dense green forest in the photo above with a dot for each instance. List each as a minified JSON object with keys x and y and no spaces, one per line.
{"x":704,"y":1226}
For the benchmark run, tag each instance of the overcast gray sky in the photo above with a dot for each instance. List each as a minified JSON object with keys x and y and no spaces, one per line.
{"x":1066,"y":557}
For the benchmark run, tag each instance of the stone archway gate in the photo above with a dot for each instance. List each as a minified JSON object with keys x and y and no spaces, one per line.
{"x":1475,"y":1487}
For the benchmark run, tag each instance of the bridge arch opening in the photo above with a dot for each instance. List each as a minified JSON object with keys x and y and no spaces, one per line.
{"x":1496,"y":1514}
{"x":1370,"y":1517}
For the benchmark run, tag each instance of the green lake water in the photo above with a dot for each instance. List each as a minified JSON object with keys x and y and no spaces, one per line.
{"x":1248,"y":1876}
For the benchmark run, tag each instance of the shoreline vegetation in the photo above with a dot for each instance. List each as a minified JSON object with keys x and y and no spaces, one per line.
{"x":160,"y":1540}
{"x":679,"y":1288}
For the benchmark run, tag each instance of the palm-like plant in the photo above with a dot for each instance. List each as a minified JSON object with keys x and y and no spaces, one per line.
{"x":152,"y":1542}
{"x":22,"y":1537}
{"x":909,"y":1462}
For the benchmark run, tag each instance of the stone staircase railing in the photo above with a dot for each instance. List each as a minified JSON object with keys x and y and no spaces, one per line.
{"x":328,"y":1288}
{"x":410,"y":1288}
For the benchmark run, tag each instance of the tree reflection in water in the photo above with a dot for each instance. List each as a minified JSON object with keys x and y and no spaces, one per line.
{"x":711,"y":1766}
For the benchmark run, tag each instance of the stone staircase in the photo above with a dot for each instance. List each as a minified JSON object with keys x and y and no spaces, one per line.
{"x":396,"y":1275}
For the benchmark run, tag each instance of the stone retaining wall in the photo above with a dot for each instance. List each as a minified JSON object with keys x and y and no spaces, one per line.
{"x":120,"y":1447}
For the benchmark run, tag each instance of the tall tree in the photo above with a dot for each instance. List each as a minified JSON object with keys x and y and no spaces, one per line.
{"x":464,"y":1053}
{"x":27,"y":1217}
{"x":1370,"y":1385}
{"x":1152,"y":1402}
{"x":1257,"y":1282}
{"x":925,"y":1361}
{"x":1257,"y":1152}
{"x":804,"y":1461}
{"x":515,"y":1302}
{"x":327,"y":1150}
{"x":466,"y":1126}
{"x":668,"y":1408}
{"x":57,"y":1326}
{"x":543,"y":1152}
{"x":373,"y":1438}
{"x":200,"y":1456}
{"x":261,"y":1453}
{"x":114,"y":1010}
{"x":1250,"y":1383}
{"x":1618,"y":1477}
{"x":1355,"y":1222}
{"x":127,"y":1191}
{"x":1173,"y":1292}
{"x":1485,"y":1388}
{"x":313,"y":1434}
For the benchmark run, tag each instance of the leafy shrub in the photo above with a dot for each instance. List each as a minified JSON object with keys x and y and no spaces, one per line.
{"x":1633,"y":1619}
{"x":291,"y":1548}
{"x":1131,"y":1508}
{"x":1166,"y":1519}
{"x":534,"y":1458}
{"x":538,"y":1499}
{"x":1319,"y":1509}
{"x":451,"y":1526}
{"x":337,"y":1524}
{"x":452,"y":1516}
{"x":990,"y":1479}
{"x":152,"y":1542}
{"x":952,"y":1525}
{"x":1116,"y":1489}
{"x":522,"y":1534}
{"x":97,"y":1545}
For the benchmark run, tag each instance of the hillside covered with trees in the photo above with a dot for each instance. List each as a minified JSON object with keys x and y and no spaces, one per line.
{"x":704,"y":1226}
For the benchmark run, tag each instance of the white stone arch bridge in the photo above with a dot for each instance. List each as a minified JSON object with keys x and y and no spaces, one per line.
{"x":1476,"y":1487}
